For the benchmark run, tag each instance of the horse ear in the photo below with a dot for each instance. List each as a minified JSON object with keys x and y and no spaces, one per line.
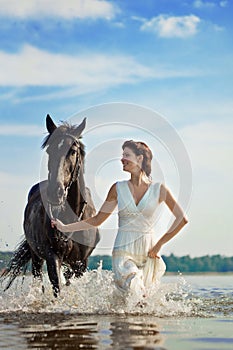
{"x":80,"y":128}
{"x":50,"y":124}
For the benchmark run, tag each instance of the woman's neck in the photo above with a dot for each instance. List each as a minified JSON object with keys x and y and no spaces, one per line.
{"x":136,"y":179}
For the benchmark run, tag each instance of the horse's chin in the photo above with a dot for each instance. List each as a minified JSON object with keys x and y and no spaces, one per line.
{"x":54,"y":209}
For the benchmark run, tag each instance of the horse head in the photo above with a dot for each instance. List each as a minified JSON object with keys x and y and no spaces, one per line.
{"x":65,"y":157}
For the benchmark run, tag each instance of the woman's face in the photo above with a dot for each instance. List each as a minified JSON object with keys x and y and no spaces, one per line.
{"x":130,"y":161}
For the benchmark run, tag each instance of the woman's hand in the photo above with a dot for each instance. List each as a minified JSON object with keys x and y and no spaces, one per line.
{"x":58,"y":224}
{"x":153,"y":252}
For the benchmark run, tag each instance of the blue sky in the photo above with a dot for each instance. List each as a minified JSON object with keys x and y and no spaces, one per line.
{"x":171,"y":56}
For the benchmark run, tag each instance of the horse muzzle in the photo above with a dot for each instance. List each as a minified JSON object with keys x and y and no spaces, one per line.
{"x":56,"y":194}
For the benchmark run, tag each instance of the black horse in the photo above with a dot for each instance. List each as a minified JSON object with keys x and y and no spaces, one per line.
{"x":65,"y":196}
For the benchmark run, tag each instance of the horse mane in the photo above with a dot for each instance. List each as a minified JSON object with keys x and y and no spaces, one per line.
{"x":61,"y":131}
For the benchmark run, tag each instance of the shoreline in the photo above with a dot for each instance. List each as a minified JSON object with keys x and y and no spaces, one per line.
{"x":212,"y":273}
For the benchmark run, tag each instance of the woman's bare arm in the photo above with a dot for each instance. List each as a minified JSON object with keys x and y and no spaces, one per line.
{"x":105,"y":211}
{"x":179,"y":222}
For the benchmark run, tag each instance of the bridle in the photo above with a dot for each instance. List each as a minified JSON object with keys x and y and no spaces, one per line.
{"x":74,"y":175}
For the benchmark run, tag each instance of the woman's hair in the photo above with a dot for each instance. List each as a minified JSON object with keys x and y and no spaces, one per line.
{"x":139,"y":148}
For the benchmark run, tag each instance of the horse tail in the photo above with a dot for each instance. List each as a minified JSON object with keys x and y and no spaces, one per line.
{"x":17,"y":264}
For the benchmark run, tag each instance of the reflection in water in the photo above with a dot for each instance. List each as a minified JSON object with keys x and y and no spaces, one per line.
{"x":63,"y":338}
{"x":57,"y":331}
{"x":19,"y":331}
{"x":135,"y":335}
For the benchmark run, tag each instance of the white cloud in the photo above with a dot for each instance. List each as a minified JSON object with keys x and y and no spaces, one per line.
{"x":9,"y":95}
{"x":35,"y":67}
{"x":218,"y":28}
{"x":223,"y":3}
{"x":199,"y":4}
{"x":172,"y":26}
{"x":69,"y":9}
{"x":76,"y":75}
{"x":138,"y":19}
{"x":203,"y":4}
{"x":21,"y":130}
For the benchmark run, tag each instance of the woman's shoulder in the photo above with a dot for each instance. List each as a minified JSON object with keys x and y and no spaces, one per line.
{"x":157,"y":184}
{"x":121,"y":183}
{"x":121,"y":186}
{"x":157,"y":188}
{"x":118,"y":184}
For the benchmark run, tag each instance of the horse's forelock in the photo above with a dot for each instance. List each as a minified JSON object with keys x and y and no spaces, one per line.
{"x":62,"y":131}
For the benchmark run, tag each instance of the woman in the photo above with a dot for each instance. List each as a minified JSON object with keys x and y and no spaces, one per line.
{"x":136,"y":261}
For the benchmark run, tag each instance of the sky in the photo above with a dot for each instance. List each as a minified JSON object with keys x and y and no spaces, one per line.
{"x":156,"y":70}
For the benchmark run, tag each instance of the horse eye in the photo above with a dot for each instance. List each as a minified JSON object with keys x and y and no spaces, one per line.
{"x":73,"y":152}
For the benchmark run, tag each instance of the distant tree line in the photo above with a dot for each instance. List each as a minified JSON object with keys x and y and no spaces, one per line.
{"x":183,"y":264}
{"x":207,"y":263}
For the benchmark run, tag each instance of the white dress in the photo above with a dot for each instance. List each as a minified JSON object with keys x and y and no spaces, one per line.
{"x":132,"y":268}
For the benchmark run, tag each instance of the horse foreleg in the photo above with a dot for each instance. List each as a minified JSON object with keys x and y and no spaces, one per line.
{"x":53,"y":268}
{"x":37,"y":264}
{"x":68,"y":273}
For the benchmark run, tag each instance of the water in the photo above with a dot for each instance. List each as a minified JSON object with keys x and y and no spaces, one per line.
{"x":184,"y":312}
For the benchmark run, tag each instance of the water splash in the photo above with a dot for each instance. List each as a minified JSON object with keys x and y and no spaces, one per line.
{"x":95,"y":293}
